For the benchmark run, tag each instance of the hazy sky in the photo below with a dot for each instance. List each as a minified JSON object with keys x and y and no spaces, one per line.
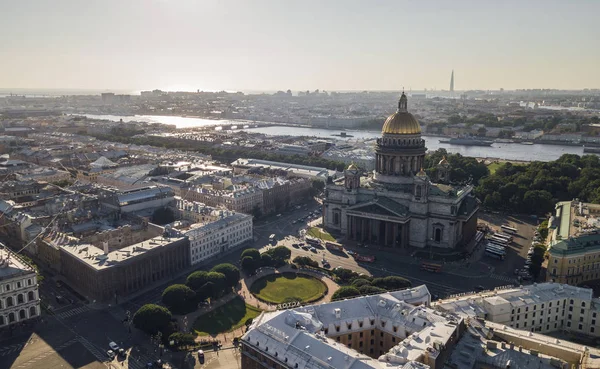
{"x":281,"y":44}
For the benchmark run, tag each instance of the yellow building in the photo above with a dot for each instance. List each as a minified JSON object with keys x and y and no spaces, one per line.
{"x":574,"y":248}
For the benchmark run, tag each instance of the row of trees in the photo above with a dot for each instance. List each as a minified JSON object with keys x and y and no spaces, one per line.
{"x":358,"y":285}
{"x":536,"y":187}
{"x":200,"y":286}
{"x":251,"y":259}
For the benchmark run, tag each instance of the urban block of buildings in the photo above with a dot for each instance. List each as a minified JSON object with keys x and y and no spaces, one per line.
{"x":401,"y":329}
{"x":398,"y":205}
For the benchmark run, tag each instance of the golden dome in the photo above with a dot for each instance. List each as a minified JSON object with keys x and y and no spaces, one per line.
{"x":401,"y":122}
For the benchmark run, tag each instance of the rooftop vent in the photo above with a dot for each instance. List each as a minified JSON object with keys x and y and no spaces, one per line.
{"x":337,"y":312}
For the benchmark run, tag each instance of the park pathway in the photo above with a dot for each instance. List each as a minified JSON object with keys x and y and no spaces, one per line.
{"x":187,"y":321}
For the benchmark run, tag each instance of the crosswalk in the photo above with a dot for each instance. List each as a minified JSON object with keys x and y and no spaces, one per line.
{"x":101,"y":356}
{"x":7,"y":350}
{"x":504,"y":278}
{"x":72,"y":312}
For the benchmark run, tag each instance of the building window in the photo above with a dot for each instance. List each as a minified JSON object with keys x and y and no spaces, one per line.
{"x":20,"y":299}
{"x":580,"y":327}
{"x":361,"y":335}
{"x":592,"y":329}
{"x":582,"y":303}
{"x":349,"y":337}
{"x":22,"y":314}
{"x":9,"y":301}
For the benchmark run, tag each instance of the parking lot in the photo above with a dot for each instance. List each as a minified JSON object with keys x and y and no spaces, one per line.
{"x":516,"y":252}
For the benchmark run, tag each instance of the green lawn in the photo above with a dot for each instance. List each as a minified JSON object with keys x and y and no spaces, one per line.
{"x":277,"y":288}
{"x":319,"y":233}
{"x":228,"y":317}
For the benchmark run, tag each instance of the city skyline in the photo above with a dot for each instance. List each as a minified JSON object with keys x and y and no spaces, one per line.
{"x":269,"y":46}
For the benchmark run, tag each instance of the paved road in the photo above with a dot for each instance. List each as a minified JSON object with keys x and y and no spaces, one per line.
{"x":78,"y":336}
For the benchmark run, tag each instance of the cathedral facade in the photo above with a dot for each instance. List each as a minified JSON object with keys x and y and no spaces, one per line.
{"x":398,"y":205}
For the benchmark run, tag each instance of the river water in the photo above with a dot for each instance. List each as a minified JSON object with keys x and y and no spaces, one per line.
{"x":508,"y":151}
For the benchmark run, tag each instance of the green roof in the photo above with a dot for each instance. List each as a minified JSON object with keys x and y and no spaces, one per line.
{"x":580,"y":245}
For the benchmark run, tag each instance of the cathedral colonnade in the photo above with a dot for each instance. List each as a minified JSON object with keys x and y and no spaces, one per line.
{"x":376,"y":231}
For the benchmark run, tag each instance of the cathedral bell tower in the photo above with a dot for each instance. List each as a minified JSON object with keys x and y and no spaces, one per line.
{"x":443,"y":171}
{"x":352,"y":178}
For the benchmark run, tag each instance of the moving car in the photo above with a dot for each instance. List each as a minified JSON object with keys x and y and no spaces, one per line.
{"x":201,"y":356}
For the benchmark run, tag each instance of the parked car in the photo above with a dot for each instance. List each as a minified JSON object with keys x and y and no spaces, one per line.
{"x":479,"y":288}
{"x":295,"y":245}
{"x":122,"y":353}
{"x":110,"y":354}
{"x":113,"y":346}
{"x":350,"y":252}
{"x":312,"y":249}
{"x":305,"y":248}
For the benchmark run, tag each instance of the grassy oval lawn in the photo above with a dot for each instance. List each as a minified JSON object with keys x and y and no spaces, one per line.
{"x":228,"y":317}
{"x":277,"y":288}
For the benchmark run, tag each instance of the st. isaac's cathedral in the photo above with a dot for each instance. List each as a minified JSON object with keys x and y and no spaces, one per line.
{"x":399,"y":205}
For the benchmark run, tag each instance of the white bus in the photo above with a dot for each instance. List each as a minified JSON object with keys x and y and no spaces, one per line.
{"x":504,"y":236}
{"x":494,"y":254}
{"x":500,"y":241}
{"x":496,"y":248}
{"x":272,"y":238}
{"x":507,"y":229}
{"x":496,"y":242}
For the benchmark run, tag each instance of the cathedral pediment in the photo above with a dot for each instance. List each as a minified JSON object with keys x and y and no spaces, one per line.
{"x":381,"y":206}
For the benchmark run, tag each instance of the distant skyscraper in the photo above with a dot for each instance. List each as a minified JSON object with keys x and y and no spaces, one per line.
{"x":452,"y":81}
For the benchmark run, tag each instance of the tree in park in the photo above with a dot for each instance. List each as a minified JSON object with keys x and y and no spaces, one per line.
{"x":280,"y":253}
{"x":206,"y":291}
{"x":370,"y":290}
{"x":197,"y":279}
{"x":305,"y":261}
{"x":391,"y":283}
{"x":152,"y":318}
{"x":179,"y":298}
{"x":266,"y":260}
{"x":253,"y":253}
{"x":249,"y":264}
{"x":232,"y":274}
{"x":345,"y":292}
{"x":219,"y":280}
{"x":359,"y":282}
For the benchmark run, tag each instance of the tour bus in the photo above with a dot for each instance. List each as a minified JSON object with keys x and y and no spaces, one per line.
{"x":431,"y":267}
{"x":494,"y":254}
{"x":507,"y":229}
{"x":272,"y":238}
{"x":507,"y":237}
{"x":499,"y":241}
{"x":497,"y":248}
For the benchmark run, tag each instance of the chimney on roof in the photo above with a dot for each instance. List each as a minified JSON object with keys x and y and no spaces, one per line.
{"x":105,"y":247}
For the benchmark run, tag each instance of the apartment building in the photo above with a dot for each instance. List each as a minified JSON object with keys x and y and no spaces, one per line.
{"x":543,"y":307}
{"x":213,"y":231}
{"x":19,"y":297}
{"x":574,"y":246}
